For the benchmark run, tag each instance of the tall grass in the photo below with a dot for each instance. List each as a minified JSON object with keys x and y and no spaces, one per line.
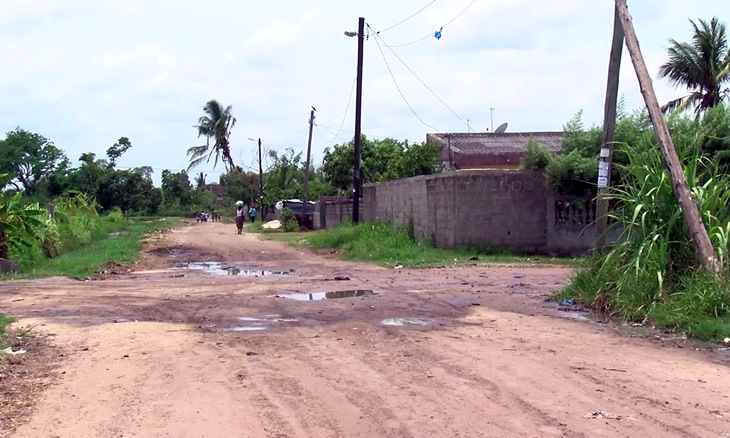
{"x":379,"y":243}
{"x":5,"y":321}
{"x":652,"y":273}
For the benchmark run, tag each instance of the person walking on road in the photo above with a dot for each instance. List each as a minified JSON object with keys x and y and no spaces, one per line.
{"x":239,"y":216}
{"x":252,"y":213}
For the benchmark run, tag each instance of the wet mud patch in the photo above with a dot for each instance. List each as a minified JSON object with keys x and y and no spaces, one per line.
{"x":228,"y":269}
{"x":248,"y":324}
{"x":333,"y":295}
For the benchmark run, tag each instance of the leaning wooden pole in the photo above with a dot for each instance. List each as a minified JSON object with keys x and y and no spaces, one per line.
{"x":609,"y":129}
{"x":691,"y":213}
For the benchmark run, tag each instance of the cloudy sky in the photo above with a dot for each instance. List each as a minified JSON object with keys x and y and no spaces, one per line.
{"x":85,"y":72}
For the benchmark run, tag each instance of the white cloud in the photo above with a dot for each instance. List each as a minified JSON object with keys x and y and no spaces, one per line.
{"x":85,"y":72}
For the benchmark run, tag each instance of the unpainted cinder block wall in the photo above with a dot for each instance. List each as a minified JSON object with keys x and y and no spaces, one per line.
{"x":500,"y":208}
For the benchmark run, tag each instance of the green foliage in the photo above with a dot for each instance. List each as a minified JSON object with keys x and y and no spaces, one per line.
{"x":215,"y":124}
{"x":381,"y":160}
{"x":176,"y":188}
{"x":701,"y":65}
{"x":379,"y":243}
{"x":537,"y":157}
{"x":20,"y":224}
{"x":118,"y":242}
{"x":572,"y":173}
{"x":50,"y":240}
{"x":5,"y":321}
{"x":29,"y":157}
{"x":652,"y":272}
{"x":289,"y":220}
{"x":117,"y":150}
{"x":130,"y":190}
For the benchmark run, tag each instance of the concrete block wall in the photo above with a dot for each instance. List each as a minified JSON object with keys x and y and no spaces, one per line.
{"x":331,"y":211}
{"x":500,"y":208}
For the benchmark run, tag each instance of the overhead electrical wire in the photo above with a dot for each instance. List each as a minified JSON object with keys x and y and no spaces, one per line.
{"x":378,"y":37}
{"x":347,"y":109}
{"x":432,"y":33}
{"x":406,"y":19}
{"x":397,"y":87}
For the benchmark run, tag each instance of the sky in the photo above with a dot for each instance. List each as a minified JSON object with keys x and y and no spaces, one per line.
{"x":86,"y":72}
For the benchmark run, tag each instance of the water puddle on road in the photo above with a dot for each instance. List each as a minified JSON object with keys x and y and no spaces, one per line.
{"x":242,"y":329}
{"x":258,"y":323}
{"x":404,"y":322}
{"x":317,"y":296}
{"x":218,"y":268}
{"x":578,"y":316}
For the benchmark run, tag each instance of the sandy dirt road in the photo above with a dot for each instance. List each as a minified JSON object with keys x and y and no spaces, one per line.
{"x":452,"y":352}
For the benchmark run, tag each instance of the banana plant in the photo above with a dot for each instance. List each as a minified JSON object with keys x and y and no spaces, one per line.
{"x":20,"y":224}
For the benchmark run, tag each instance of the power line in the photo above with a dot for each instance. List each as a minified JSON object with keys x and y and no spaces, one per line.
{"x":419,"y":79}
{"x":319,"y":132}
{"x":398,"y":87}
{"x":442,"y":27}
{"x":331,"y":129}
{"x":459,"y":14}
{"x":428,"y":35}
{"x":347,"y":109}
{"x":406,"y":19}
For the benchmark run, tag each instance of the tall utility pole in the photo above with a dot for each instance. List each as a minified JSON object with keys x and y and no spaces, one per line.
{"x":491,"y":117}
{"x":691,"y":213}
{"x":261,"y":184}
{"x":358,"y":116}
{"x":609,"y":129}
{"x":306,"y":169}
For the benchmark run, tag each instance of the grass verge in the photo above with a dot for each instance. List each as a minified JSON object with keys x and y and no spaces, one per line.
{"x":5,"y":321}
{"x":697,"y":304}
{"x":116,"y":241}
{"x":380,"y":244}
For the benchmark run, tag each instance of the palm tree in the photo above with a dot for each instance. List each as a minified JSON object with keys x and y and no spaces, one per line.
{"x":200,"y":180}
{"x":216,"y":124}
{"x":701,"y":65}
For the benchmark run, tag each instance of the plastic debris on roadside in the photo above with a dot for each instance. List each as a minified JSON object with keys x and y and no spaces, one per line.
{"x":10,"y":351}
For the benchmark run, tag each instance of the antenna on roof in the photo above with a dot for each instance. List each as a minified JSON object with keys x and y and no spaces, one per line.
{"x":501,"y":128}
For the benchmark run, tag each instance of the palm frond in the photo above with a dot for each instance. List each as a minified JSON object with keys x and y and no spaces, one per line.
{"x":681,"y":104}
{"x":197,"y":151}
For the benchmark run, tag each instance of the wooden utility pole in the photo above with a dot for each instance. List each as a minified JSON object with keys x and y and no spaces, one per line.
{"x":609,"y":129}
{"x":358,"y":117}
{"x":261,"y":184}
{"x":306,"y":169}
{"x":691,"y":213}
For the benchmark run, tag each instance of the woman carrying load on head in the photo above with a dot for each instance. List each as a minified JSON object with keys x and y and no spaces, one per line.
{"x":240,"y":216}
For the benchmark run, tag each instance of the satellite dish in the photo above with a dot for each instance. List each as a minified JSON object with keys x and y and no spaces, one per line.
{"x":501,"y":128}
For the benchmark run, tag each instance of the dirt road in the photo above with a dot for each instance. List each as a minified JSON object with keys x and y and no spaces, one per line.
{"x":452,"y":352}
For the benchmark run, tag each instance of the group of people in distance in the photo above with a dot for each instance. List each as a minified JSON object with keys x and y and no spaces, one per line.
{"x":241,"y":215}
{"x":203,"y":217}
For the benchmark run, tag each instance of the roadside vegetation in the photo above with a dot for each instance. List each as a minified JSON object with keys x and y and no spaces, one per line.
{"x":5,"y":321}
{"x":652,"y":274}
{"x":381,"y":244}
{"x":76,"y":241}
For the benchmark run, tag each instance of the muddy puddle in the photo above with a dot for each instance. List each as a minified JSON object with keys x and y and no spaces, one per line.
{"x":218,"y":268}
{"x":405,"y":322}
{"x":244,"y":324}
{"x":317,"y":296}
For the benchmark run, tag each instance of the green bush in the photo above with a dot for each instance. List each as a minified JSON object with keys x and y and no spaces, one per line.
{"x":653,"y":273}
{"x":537,"y":157}
{"x":115,"y":215}
{"x":289,"y":220}
{"x":51,"y":240}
